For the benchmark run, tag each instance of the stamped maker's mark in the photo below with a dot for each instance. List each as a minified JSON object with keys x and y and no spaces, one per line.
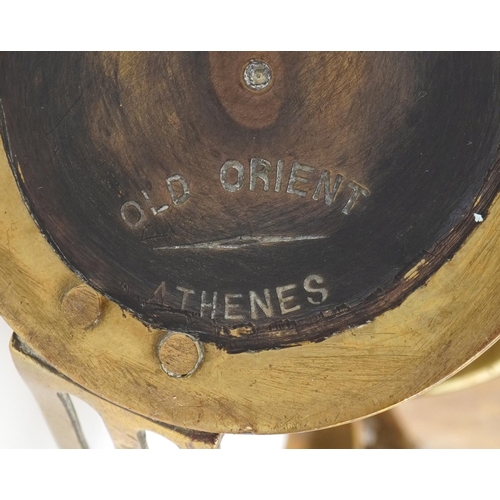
{"x":302,"y":181}
{"x":135,"y":215}
{"x":299,"y":182}
{"x":243,"y":306}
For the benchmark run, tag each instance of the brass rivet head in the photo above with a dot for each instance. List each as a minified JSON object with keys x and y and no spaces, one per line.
{"x":257,"y":75}
{"x":180,"y":354}
{"x":82,"y":306}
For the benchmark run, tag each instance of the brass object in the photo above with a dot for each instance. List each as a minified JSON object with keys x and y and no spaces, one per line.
{"x":180,"y":354}
{"x":82,"y":306}
{"x":126,"y":428}
{"x":294,"y":257}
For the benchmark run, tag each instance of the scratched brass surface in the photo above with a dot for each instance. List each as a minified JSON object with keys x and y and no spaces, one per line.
{"x":438,"y":329}
{"x":53,"y":393}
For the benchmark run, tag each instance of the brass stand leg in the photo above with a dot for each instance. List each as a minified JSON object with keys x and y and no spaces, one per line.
{"x":385,"y":431}
{"x":126,"y":438}
{"x":380,"y":431}
{"x":127,"y":429}
{"x":341,"y":437}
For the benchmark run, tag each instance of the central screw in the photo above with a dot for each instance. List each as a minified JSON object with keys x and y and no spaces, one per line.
{"x":257,"y":75}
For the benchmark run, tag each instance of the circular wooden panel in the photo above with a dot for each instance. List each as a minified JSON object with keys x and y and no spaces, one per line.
{"x":438,"y":328}
{"x":254,"y":219}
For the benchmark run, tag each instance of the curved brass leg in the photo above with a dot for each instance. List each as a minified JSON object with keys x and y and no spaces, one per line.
{"x":51,"y":390}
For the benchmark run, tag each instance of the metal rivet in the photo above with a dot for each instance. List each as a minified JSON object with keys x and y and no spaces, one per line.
{"x":180,"y":354}
{"x":257,"y":75}
{"x":82,"y":306}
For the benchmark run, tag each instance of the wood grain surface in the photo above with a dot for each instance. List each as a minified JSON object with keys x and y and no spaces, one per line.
{"x":422,"y":231}
{"x":436,"y":331}
{"x":253,"y":220}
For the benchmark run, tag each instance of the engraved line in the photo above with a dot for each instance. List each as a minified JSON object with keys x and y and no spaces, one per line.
{"x":65,"y":114}
{"x":242,"y":241}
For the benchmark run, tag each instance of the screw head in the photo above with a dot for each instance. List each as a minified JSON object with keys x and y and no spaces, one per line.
{"x":82,"y":306}
{"x":180,"y":354}
{"x":257,"y":75}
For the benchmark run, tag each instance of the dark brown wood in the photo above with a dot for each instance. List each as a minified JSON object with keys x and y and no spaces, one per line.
{"x":101,"y":142}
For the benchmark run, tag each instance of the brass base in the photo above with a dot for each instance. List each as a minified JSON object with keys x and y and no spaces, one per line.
{"x":52,"y":391}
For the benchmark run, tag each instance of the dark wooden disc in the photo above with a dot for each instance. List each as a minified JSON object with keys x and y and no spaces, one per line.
{"x":252,"y":218}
